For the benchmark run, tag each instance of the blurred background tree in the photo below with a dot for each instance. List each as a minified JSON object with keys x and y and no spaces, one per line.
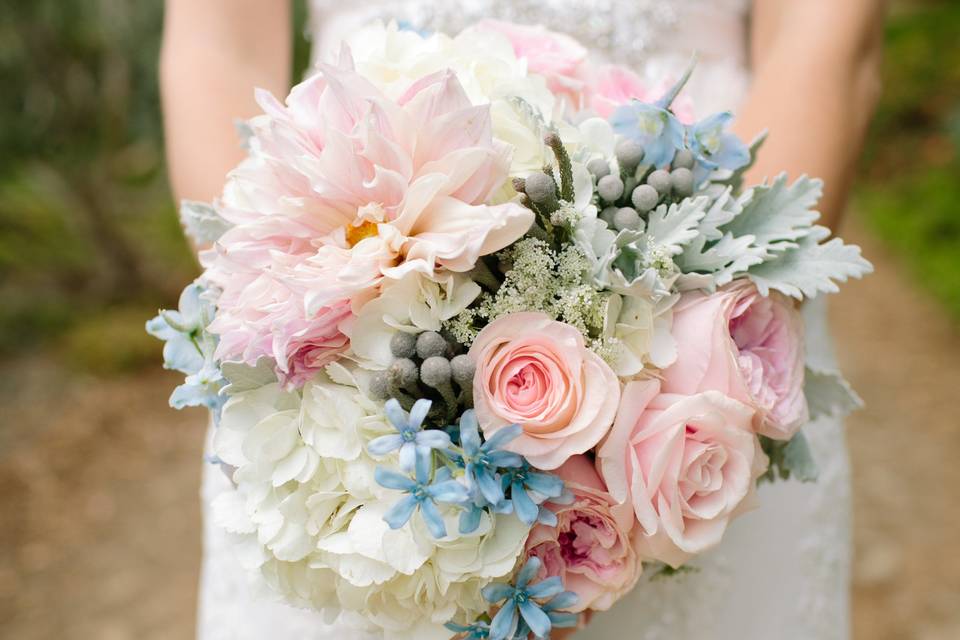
{"x":909,"y":191}
{"x":89,"y":238}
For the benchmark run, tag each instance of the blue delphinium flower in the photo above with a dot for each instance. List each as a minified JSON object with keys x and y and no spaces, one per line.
{"x":190,"y":349}
{"x":657,"y":130}
{"x":520,"y":602}
{"x":477,"y":631}
{"x":714,"y":147}
{"x":529,"y":489}
{"x":422,"y":493}
{"x":412,"y":441}
{"x":482,"y":461}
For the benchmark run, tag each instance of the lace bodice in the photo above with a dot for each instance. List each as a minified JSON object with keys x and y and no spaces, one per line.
{"x":782,"y":571}
{"x":647,"y":35}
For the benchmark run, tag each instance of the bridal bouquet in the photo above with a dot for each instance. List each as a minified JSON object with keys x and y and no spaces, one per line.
{"x":490,"y":331}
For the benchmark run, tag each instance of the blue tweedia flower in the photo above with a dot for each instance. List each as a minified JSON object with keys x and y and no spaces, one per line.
{"x":473,"y":510}
{"x":714,"y":147}
{"x":657,"y":130}
{"x":477,"y":631}
{"x":481,"y":461}
{"x":412,"y":440}
{"x":548,"y":517}
{"x":529,"y":489}
{"x":553,"y":608}
{"x":190,"y":349}
{"x":422,"y":494}
{"x":520,"y":602}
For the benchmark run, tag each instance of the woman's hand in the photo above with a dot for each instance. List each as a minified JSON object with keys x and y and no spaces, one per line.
{"x":815,"y":85}
{"x":215,"y":52}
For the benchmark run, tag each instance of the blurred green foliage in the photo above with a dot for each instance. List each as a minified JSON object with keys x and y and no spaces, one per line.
{"x":85,"y":221}
{"x":89,"y":239}
{"x":909,"y":191}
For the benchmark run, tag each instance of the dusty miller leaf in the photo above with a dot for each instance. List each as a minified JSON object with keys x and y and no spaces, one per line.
{"x":810,"y":267}
{"x":798,"y":459}
{"x":828,"y":394}
{"x":202,"y":222}
{"x":720,"y":256}
{"x":676,"y":225}
{"x":777,"y":214}
{"x":788,"y":459}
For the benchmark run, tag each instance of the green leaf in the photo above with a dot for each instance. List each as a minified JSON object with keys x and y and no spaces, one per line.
{"x":828,"y":394}
{"x":810,"y":268}
{"x":242,"y":377}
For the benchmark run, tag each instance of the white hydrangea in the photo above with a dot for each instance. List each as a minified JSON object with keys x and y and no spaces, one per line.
{"x":487,"y":68}
{"x":414,"y":304}
{"x":308,"y":515}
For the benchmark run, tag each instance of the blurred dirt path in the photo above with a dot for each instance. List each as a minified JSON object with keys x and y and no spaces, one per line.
{"x":99,"y":518}
{"x":903,"y":356}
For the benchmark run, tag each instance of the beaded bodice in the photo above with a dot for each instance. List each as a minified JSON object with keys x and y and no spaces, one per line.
{"x":654,"y":37}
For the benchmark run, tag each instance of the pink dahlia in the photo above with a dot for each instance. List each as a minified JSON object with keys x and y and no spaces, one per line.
{"x":346,"y":189}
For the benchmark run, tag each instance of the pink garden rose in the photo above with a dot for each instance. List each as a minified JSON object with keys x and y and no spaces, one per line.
{"x":685,"y":464}
{"x":555,"y":56}
{"x":536,"y":372}
{"x":591,"y":548}
{"x":346,"y":190}
{"x":747,"y":346}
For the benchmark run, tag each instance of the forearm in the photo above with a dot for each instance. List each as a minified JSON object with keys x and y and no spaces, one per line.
{"x":816,"y":81}
{"x":215,"y":53}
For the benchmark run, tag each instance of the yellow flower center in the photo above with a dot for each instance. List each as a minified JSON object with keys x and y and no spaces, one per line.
{"x":358,"y":232}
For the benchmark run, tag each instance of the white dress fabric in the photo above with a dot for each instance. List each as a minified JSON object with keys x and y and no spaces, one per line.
{"x":782,"y":571}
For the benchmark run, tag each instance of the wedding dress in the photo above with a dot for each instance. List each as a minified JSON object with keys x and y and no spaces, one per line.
{"x":782,"y":571}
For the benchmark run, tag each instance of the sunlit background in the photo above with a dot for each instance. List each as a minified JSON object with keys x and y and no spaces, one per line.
{"x":99,"y":521}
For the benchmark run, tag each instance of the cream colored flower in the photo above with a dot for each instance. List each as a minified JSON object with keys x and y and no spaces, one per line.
{"x":307,"y":515}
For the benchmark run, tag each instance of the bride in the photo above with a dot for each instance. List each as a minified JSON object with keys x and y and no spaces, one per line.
{"x":807,"y":71}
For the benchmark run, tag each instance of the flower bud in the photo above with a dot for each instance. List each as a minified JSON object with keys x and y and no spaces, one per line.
{"x":431,"y":343}
{"x":403,"y":345}
{"x":610,"y":188}
{"x":644,"y":198}
{"x":629,"y":154}
{"x":660,"y":180}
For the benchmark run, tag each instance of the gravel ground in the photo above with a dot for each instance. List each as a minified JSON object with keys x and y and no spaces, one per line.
{"x":99,"y":519}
